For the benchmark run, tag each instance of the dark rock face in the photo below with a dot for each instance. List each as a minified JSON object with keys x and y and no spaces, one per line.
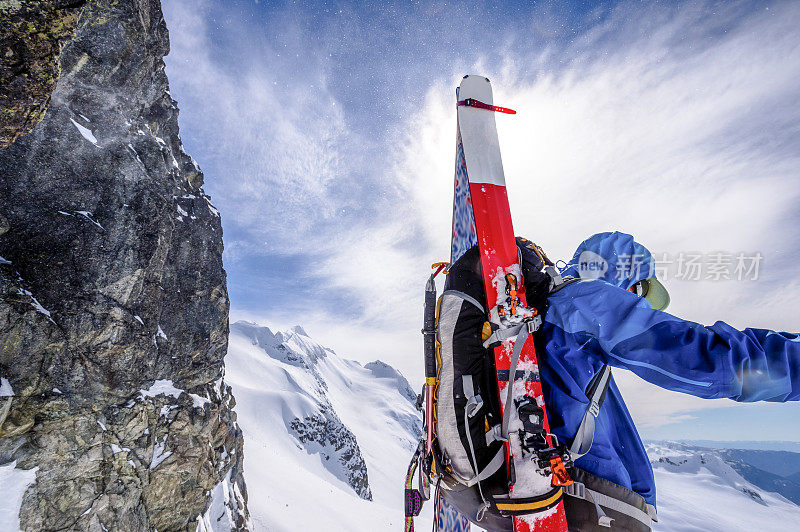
{"x":113,"y":303}
{"x":32,"y":33}
{"x":324,"y":433}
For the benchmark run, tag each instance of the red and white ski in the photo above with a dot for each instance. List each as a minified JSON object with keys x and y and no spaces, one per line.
{"x":481,"y":215}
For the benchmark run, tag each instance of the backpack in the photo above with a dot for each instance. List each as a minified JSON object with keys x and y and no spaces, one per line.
{"x":463,"y":448}
{"x":468,"y":445}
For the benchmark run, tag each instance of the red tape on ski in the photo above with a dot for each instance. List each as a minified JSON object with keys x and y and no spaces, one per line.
{"x":472,"y":102}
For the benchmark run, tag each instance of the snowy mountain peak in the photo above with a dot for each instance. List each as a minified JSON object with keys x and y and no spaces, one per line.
{"x":679,"y":458}
{"x":299,"y":330}
{"x":330,"y":429}
{"x":260,"y":335}
{"x":292,"y":347}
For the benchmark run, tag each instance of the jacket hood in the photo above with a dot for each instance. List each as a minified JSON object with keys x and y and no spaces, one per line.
{"x":613,"y":257}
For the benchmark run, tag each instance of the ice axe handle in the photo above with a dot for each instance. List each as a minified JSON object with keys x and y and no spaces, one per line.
{"x":429,"y":329}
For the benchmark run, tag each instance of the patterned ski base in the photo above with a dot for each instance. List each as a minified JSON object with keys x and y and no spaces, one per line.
{"x":449,"y":520}
{"x":464,"y":235}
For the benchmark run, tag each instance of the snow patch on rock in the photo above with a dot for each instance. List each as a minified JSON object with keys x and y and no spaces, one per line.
{"x":226,"y":499}
{"x":5,"y":388}
{"x":197,"y":401}
{"x":85,"y":132}
{"x":14,"y":482}
{"x":35,"y":303}
{"x":161,"y":387}
{"x":159,"y":453}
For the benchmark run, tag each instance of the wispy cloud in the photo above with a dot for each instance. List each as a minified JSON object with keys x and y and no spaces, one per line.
{"x":675,"y":123}
{"x":270,"y":131}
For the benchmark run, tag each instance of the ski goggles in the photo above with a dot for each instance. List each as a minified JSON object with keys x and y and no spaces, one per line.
{"x":653,"y":291}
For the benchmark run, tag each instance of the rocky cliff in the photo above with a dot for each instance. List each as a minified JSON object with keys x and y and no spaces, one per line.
{"x":113,"y":304}
{"x":32,"y":33}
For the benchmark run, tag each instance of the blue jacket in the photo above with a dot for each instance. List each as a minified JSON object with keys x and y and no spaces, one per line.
{"x":598,"y":321}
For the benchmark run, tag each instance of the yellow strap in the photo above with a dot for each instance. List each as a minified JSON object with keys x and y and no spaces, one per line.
{"x":516,"y":507}
{"x":486,"y":331}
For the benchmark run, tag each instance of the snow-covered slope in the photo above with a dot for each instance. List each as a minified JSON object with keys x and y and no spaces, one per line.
{"x":324,"y":435}
{"x":327,"y":440}
{"x":697,"y":490}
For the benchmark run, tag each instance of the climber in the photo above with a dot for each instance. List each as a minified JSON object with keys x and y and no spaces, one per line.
{"x":598,"y":321}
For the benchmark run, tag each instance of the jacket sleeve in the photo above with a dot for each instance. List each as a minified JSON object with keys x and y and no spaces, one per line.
{"x":714,"y":361}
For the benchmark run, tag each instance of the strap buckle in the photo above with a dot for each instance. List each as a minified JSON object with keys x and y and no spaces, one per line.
{"x":576,"y":489}
{"x":560,"y":475}
{"x":502,"y":334}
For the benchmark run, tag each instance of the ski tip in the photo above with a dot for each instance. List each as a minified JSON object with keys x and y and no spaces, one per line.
{"x":476,"y":87}
{"x":475,"y":76}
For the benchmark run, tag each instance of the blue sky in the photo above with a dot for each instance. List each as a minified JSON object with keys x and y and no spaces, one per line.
{"x":326,"y":134}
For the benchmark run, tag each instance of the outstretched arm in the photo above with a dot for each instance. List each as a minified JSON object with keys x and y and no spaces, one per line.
{"x":712,"y":362}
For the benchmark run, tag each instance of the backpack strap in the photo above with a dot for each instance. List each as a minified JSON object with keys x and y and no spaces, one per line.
{"x":522,"y":332}
{"x":596,"y":393}
{"x":557,"y":282}
{"x":474,"y":404}
{"x":580,"y":491}
{"x":501,"y":335}
{"x":491,"y":468}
